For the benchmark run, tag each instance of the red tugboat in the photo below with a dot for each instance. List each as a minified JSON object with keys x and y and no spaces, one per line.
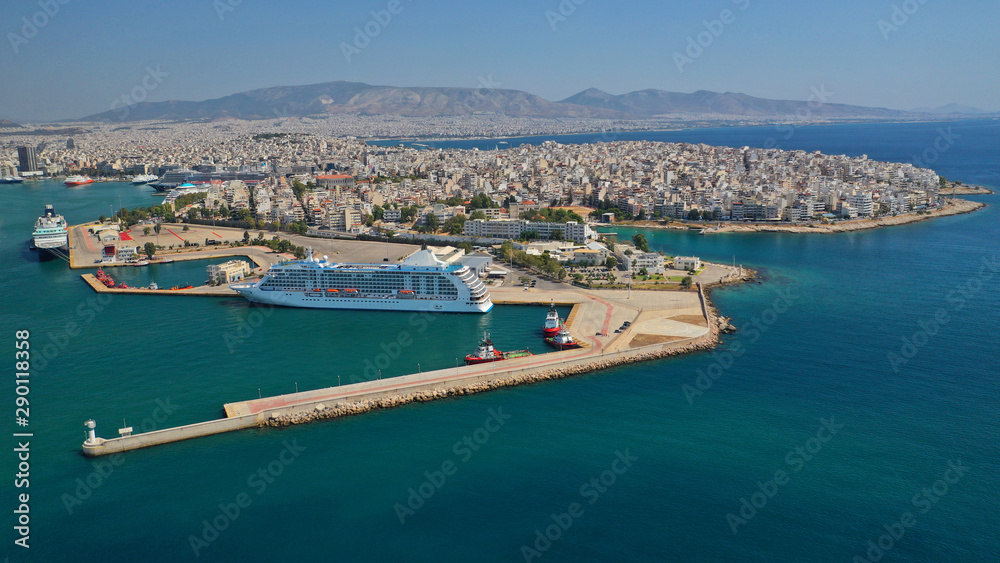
{"x":104,"y":278}
{"x":552,"y":322}
{"x":487,"y":353}
{"x":563,"y":340}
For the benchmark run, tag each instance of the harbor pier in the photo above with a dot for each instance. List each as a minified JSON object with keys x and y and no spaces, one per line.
{"x":663,"y":323}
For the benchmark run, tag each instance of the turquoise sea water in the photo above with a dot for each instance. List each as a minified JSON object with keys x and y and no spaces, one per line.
{"x":815,"y":343}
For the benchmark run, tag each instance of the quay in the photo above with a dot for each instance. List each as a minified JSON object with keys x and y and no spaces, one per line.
{"x":663,"y":323}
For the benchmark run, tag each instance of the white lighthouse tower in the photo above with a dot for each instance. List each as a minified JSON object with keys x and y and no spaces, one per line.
{"x":91,"y":432}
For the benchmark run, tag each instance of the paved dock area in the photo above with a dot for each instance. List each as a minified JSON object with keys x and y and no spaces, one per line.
{"x":85,"y":248}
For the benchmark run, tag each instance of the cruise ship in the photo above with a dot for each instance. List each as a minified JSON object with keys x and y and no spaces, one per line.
{"x":421,"y":282}
{"x":51,"y":232}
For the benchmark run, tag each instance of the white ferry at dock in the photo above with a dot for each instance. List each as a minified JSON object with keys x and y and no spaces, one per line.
{"x":421,"y":282}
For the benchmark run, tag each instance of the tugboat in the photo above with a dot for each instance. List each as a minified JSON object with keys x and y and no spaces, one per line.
{"x":104,"y":278}
{"x":552,"y":323}
{"x":563,"y":340}
{"x":487,"y":353}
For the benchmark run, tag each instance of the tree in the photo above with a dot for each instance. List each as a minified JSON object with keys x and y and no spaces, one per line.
{"x":146,"y":231}
{"x":246,"y":237}
{"x":561,"y":274}
{"x":643,"y":271}
{"x":455,"y":225}
{"x":686,"y":282}
{"x":694,"y":215}
{"x":466,"y":246}
{"x":640,"y":242}
{"x":507,"y":251}
{"x":610,"y":263}
{"x":156,"y":228}
{"x":377,"y":212}
{"x":187,"y":228}
{"x":431,"y":223}
{"x":557,"y":234}
{"x":149,"y":249}
{"x":478,"y":214}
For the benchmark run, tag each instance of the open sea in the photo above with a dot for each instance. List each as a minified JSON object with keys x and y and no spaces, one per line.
{"x":855,"y":416}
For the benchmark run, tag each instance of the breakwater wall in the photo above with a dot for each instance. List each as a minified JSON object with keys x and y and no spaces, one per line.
{"x":358,"y":398}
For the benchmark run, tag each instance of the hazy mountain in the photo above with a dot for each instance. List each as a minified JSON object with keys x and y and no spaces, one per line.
{"x":354,"y":98}
{"x":8,"y":124}
{"x":662,"y":103}
{"x":365,"y":99}
{"x":958,"y":109}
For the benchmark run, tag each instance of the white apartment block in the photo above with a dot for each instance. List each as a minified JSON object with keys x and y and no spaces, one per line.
{"x":512,"y":228}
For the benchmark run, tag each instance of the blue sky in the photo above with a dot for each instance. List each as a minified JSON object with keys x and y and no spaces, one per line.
{"x":91,"y":52}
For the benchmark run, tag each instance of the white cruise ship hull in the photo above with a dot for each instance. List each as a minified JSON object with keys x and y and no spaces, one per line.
{"x":420,"y":283}
{"x":319,"y":300}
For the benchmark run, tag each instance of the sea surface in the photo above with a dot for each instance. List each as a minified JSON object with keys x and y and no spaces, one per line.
{"x":864,"y":372}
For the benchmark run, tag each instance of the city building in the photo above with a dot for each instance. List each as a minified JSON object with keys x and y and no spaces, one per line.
{"x":228,"y":272}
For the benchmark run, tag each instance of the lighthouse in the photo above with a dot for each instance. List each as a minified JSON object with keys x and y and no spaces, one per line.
{"x":91,"y":433}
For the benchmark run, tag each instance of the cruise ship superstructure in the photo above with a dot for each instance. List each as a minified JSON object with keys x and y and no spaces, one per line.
{"x":421,"y":282}
{"x":51,"y":232}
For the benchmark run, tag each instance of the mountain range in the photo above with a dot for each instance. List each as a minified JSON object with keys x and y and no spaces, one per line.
{"x":342,"y":97}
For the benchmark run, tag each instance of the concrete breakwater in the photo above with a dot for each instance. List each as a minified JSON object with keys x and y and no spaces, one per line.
{"x":662,"y":324}
{"x":324,"y":412}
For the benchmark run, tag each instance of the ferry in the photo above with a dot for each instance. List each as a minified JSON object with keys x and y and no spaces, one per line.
{"x":421,"y":282}
{"x":144,"y":179}
{"x":486,"y":353}
{"x":78,"y":181}
{"x":51,"y":232}
{"x":552,"y":323}
{"x":11,"y":180}
{"x":563,"y":340}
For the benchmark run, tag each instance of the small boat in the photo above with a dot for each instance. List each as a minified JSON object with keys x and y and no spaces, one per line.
{"x":552,"y":322}
{"x":563,"y":340}
{"x":486,"y":353}
{"x":153,"y":286}
{"x":78,"y":181}
{"x":11,"y":180}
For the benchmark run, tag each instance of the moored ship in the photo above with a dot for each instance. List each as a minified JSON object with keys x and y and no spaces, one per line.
{"x":552,"y":323}
{"x":421,"y":282}
{"x":144,"y":179}
{"x":78,"y":181}
{"x":563,"y":340}
{"x":51,"y":233}
{"x":487,"y":353}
